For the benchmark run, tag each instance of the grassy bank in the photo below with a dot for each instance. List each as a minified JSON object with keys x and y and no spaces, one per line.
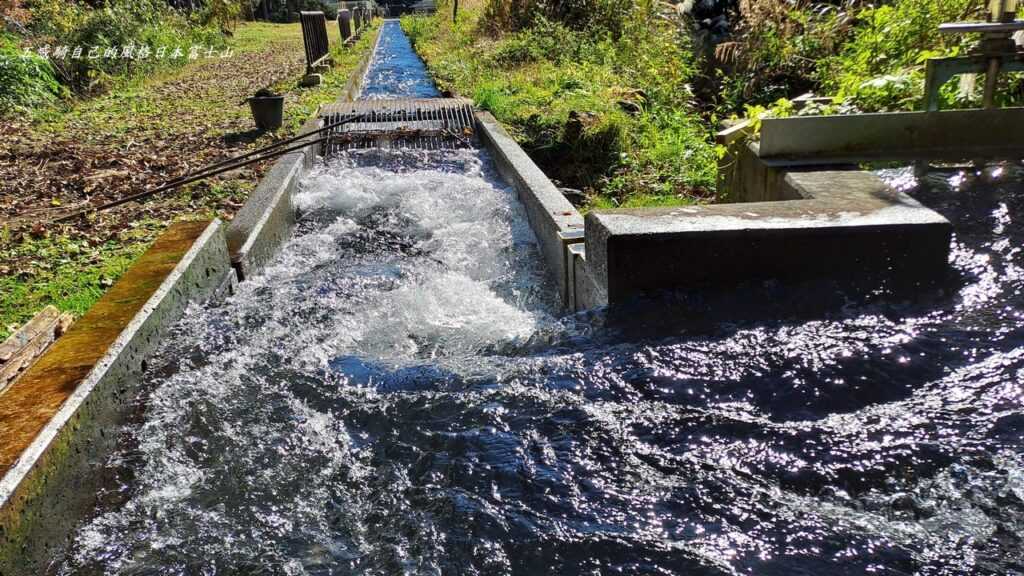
{"x":605,"y":107}
{"x":39,"y":41}
{"x":144,"y":131}
{"x":619,"y":99}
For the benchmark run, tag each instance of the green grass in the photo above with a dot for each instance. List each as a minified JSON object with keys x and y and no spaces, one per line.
{"x":70,"y":268}
{"x":153,"y":103}
{"x":562,"y":94}
{"x":70,"y":275}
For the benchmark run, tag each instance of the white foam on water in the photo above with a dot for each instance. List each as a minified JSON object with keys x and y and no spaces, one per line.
{"x":389,"y":265}
{"x":461,"y":295}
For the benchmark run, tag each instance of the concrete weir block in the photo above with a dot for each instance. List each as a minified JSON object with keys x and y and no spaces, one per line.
{"x":267,"y":218}
{"x":60,"y":420}
{"x":846,"y":225}
{"x":555,"y":221}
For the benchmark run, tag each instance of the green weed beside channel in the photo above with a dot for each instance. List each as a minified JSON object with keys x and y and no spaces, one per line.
{"x":605,"y":107}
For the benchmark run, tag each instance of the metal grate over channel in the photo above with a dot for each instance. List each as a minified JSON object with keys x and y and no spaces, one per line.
{"x":417,"y":123}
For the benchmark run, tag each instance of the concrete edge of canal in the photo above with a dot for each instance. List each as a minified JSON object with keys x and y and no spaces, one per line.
{"x":56,"y":420}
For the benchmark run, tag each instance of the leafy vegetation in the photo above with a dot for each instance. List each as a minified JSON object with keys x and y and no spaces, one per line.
{"x":89,"y":47}
{"x":25,"y":81}
{"x":882,"y":66}
{"x":869,"y":56}
{"x":597,"y":92}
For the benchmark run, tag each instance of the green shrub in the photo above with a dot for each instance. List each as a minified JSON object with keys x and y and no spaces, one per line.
{"x":288,"y":11}
{"x":513,"y":15}
{"x":882,"y":66}
{"x":545,"y":40}
{"x":601,"y":104}
{"x":775,"y":50}
{"x":26,"y":81}
{"x":110,"y":26}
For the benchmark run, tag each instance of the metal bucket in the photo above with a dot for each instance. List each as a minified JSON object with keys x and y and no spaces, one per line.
{"x":267,"y":111}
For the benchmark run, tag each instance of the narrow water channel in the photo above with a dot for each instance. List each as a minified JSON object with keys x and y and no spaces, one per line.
{"x":396,"y":71}
{"x":398,"y":393}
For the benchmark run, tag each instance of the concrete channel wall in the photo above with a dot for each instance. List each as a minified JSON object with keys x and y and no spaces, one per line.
{"x":555,"y":221}
{"x":58,"y":420}
{"x":835,"y":223}
{"x":266,"y":219}
{"x":354,"y":86}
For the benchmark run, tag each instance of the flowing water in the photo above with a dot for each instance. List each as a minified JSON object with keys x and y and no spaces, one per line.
{"x":398,"y":394}
{"x":396,"y":71}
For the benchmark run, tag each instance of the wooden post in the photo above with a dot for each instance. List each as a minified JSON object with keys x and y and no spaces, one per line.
{"x":455,"y":12}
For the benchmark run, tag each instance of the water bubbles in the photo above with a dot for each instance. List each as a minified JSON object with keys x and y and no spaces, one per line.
{"x":398,"y":393}
{"x":396,"y":71}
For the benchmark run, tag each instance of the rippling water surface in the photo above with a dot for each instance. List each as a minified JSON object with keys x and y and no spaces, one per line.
{"x":396,"y":71}
{"x":398,"y":394}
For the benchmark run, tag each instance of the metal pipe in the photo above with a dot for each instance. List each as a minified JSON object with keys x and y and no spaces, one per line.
{"x":991,"y":83}
{"x":184,"y":181}
{"x":265,"y":153}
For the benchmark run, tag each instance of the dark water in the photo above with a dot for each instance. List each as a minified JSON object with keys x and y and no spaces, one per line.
{"x":398,"y":394}
{"x":396,"y":71}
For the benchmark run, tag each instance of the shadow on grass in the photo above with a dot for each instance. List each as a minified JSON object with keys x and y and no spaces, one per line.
{"x":242,"y":138}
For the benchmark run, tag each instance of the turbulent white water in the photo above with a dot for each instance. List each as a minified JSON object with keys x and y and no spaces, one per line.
{"x":394,"y":394}
{"x":392,"y":265}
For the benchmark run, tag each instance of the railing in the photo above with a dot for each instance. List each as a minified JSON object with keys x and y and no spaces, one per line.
{"x":314,"y":36}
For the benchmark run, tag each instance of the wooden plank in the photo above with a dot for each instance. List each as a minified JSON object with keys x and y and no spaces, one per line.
{"x":44,"y":320}
{"x":982,"y":27}
{"x":22,"y":348}
{"x":730,"y":135}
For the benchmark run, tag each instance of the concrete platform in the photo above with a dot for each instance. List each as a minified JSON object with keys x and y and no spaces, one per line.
{"x":845,"y":225}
